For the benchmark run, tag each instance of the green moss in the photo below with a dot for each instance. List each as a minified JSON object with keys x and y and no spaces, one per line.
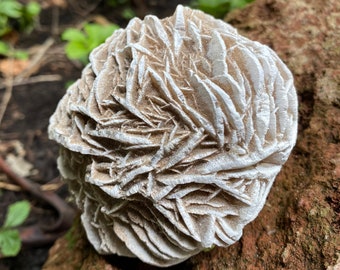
{"x":73,"y":235}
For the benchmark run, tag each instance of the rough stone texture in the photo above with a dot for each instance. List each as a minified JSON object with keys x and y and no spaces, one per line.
{"x":299,"y":225}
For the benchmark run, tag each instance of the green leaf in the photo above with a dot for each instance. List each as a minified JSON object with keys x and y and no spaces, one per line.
{"x":10,"y":242}
{"x":4,"y":30}
{"x":27,"y":19}
{"x":107,"y":30}
{"x":17,"y":214}
{"x":98,"y":33}
{"x":217,"y":8}
{"x":213,"y":3}
{"x":4,"y":48}
{"x":81,"y":43}
{"x":11,"y":9}
{"x":33,"y":9}
{"x":92,"y":31}
{"x":3,"y":24}
{"x":19,"y":54}
{"x":237,"y":4}
{"x":77,"y":50}
{"x":73,"y":34}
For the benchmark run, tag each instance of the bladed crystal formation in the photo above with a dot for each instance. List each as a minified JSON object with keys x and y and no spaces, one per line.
{"x":173,"y":136}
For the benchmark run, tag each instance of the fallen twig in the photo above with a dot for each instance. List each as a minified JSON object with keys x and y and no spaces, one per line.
{"x":10,"y":187}
{"x":45,"y":187}
{"x":35,"y":79}
{"x":26,"y":73}
{"x":36,"y":60}
{"x":42,"y":234}
{"x":6,"y":97}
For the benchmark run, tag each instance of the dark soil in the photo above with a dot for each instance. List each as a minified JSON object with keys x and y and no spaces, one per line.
{"x":27,"y":114}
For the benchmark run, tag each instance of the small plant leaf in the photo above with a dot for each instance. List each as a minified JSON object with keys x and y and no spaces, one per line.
{"x":107,"y":31}
{"x":213,"y":3}
{"x":33,"y":9}
{"x":4,"y":48}
{"x":93,"y":32}
{"x":3,"y":22}
{"x":73,"y":34}
{"x":81,"y":43}
{"x":98,"y":33}
{"x":77,"y":50}
{"x":17,"y":214}
{"x":11,"y":9}
{"x":219,"y":8}
{"x":19,"y":54}
{"x":237,"y":4}
{"x":10,"y":243}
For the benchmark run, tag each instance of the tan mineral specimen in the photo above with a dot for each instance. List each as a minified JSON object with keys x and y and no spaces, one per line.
{"x":173,"y":136}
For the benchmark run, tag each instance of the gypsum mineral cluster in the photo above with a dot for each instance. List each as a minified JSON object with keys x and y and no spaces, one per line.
{"x":173,"y":136}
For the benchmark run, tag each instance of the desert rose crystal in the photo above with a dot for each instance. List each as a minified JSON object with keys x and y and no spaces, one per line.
{"x":173,"y":136}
